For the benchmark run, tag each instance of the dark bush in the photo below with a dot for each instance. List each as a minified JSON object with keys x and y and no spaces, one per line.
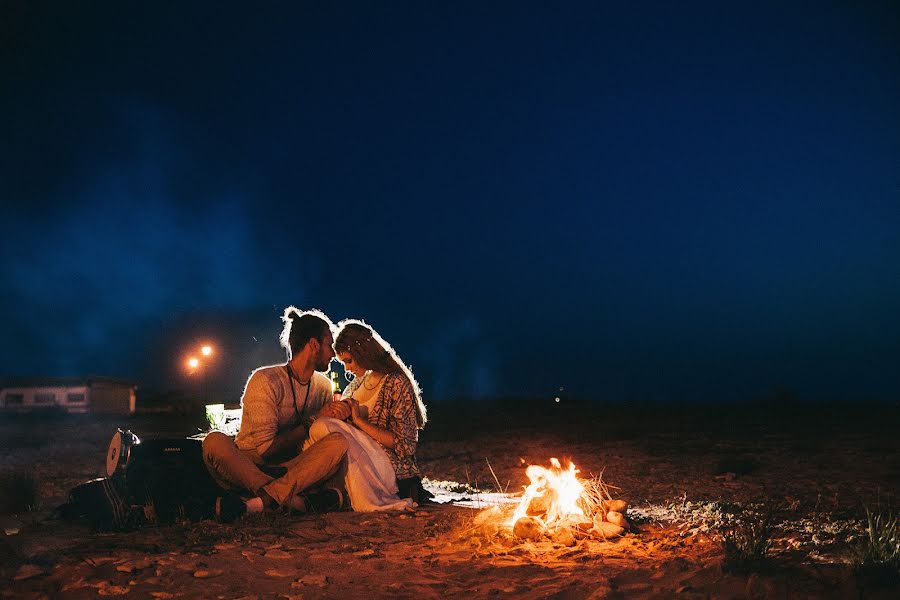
{"x":18,"y":492}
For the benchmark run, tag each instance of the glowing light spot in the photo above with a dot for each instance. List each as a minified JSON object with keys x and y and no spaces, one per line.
{"x":193,"y":363}
{"x":556,"y":399}
{"x":206,"y":350}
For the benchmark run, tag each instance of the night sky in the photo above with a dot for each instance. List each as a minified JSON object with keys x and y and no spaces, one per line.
{"x":669,"y":201}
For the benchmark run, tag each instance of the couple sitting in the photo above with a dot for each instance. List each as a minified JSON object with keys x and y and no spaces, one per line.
{"x":301,"y":448}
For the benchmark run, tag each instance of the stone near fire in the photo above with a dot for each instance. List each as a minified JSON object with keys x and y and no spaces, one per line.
{"x":579,"y":521}
{"x":488,"y":515}
{"x":617,"y":518}
{"x":529,"y":528}
{"x":619,"y":506}
{"x":608,"y":530}
{"x":489,"y":521}
{"x":538,"y":505}
{"x":564,"y":536}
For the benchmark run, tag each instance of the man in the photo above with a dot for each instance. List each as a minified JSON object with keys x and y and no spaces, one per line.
{"x":280,"y":405}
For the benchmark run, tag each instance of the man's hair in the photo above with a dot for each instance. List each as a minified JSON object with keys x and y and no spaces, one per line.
{"x":302,"y":326}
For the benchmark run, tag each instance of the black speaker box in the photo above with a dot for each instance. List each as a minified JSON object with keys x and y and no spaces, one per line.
{"x":169,"y":477}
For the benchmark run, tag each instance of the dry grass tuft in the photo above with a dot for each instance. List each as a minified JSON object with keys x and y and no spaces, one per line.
{"x":500,"y":489}
{"x":878,"y":555}
{"x":747,"y":544}
{"x":595,"y":496}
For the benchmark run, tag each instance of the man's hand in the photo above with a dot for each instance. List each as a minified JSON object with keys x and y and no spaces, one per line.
{"x":336,"y":410}
{"x":354,"y":410}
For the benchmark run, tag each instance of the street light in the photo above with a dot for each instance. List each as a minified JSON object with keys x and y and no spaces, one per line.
{"x":195,"y":363}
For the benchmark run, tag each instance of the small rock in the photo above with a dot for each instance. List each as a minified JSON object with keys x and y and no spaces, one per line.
{"x":207,"y":573}
{"x":608,"y":530}
{"x":10,"y":525}
{"x":224,"y":546}
{"x":564,"y":536}
{"x":529,"y":528}
{"x":279,"y":573}
{"x":277,"y":553}
{"x":617,"y":505}
{"x":578,"y":521}
{"x":113,"y":590}
{"x":538,"y":506}
{"x":313,"y":580}
{"x":617,"y":518}
{"x":74,"y":585}
{"x":487,"y":515}
{"x":27,"y":572}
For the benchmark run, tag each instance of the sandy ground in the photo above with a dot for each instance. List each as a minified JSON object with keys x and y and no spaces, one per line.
{"x":686,"y":475}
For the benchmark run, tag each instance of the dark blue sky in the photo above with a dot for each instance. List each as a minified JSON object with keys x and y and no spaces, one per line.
{"x":677,"y":201}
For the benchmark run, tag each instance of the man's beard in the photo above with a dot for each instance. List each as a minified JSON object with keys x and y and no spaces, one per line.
{"x":322,"y":364}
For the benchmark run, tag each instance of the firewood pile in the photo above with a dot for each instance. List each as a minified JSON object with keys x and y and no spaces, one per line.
{"x":607,"y":522}
{"x":560,"y":506}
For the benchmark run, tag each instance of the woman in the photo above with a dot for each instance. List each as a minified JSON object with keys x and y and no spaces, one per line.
{"x":385,"y":400}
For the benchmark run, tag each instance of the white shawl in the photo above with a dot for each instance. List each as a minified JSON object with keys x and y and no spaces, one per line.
{"x":370,"y":480}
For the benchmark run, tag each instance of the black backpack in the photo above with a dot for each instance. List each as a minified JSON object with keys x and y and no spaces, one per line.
{"x":101,"y":502}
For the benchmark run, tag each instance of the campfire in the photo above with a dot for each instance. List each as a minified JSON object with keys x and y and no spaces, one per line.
{"x":557,"y":504}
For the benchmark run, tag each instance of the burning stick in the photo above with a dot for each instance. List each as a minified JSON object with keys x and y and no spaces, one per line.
{"x":553,"y":492}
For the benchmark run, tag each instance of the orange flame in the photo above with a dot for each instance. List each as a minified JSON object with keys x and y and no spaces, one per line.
{"x":555,"y":488}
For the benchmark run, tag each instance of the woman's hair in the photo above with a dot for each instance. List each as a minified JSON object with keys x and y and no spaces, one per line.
{"x":373,"y":353}
{"x":300,"y":326}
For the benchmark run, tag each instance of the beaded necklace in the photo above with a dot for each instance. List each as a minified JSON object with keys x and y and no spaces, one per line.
{"x":291,"y":378}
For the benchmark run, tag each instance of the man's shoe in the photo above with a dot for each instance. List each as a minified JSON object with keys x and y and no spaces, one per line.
{"x":322,"y":501}
{"x":230,"y":508}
